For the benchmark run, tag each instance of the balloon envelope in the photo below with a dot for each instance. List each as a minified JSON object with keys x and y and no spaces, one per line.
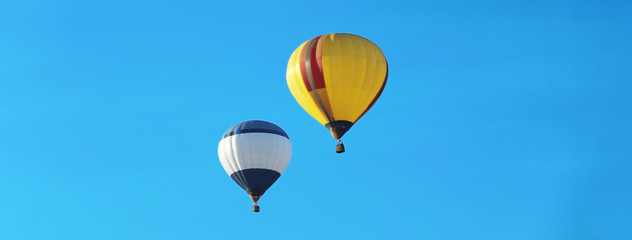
{"x":255,"y":154}
{"x":337,"y":78}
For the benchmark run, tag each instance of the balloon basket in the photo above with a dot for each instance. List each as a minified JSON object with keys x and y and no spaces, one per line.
{"x":255,"y":208}
{"x":340,"y":147}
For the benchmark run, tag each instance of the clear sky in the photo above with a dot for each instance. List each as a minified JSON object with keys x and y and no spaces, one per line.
{"x":500,"y":120}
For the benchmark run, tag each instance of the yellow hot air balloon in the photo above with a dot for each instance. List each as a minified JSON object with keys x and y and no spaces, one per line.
{"x":337,"y":78}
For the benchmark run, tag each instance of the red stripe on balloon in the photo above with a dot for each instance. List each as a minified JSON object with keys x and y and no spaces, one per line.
{"x":303,"y":67}
{"x":316,"y":63}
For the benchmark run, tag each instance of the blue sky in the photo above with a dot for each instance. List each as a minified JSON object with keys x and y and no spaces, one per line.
{"x":500,"y":120}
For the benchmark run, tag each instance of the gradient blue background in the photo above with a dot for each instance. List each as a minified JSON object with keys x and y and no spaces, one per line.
{"x":500,"y":120}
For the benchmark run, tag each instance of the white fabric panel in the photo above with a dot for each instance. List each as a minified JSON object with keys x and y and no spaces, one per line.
{"x":254,"y":150}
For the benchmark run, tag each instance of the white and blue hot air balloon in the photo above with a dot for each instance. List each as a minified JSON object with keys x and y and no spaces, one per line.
{"x":255,"y":153}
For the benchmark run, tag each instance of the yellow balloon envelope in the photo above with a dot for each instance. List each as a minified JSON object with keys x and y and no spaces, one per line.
{"x":337,"y":78}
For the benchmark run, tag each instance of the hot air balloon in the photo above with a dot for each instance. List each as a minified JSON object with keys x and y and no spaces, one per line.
{"x":255,"y":154}
{"x":337,"y":78}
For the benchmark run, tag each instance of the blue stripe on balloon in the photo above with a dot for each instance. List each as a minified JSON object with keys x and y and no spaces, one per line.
{"x":255,"y":126}
{"x":255,"y":130}
{"x":255,"y":180}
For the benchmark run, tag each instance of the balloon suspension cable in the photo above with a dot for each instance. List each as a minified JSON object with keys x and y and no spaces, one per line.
{"x":340,"y":147}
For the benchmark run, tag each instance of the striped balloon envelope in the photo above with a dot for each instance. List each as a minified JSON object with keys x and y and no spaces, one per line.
{"x":337,"y":78}
{"x":255,"y":154}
